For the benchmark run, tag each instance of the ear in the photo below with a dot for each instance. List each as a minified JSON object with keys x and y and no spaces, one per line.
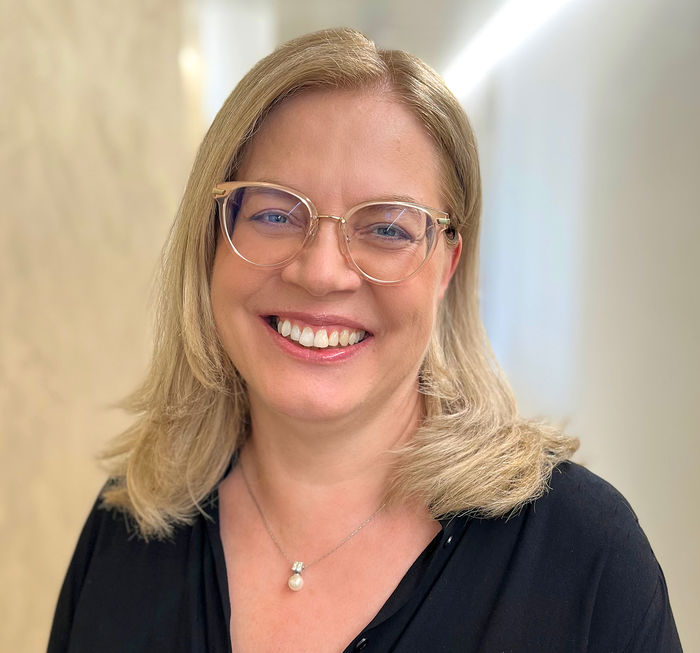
{"x":451,"y":260}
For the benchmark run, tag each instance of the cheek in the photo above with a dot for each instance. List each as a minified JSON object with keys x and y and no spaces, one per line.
{"x":228,"y":292}
{"x":413,"y":310}
{"x":426,"y":300}
{"x":220,"y":291}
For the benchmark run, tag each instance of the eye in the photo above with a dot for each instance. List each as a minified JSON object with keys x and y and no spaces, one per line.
{"x":276,"y":219}
{"x":390,"y":231}
{"x":271,"y":217}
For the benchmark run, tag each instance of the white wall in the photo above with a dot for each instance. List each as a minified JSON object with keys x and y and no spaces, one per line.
{"x":590,"y":136}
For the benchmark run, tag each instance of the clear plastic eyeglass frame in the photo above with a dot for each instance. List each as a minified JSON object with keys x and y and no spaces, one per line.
{"x":221,"y":192}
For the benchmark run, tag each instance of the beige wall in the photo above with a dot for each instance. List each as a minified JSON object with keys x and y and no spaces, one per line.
{"x":93,"y":159}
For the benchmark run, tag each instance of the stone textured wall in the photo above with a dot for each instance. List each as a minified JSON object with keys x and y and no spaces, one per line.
{"x":94,"y":154}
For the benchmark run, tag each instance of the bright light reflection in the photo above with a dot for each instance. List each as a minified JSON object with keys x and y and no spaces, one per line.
{"x":190,"y":61}
{"x":511,"y":25}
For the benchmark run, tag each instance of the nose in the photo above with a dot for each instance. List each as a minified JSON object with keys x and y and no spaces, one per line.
{"x":322,"y":267}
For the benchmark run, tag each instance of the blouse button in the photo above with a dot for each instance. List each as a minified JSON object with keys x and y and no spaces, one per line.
{"x":447,"y":542}
{"x":361,"y":644}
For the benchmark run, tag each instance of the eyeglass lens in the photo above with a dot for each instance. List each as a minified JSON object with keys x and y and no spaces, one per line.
{"x":268,"y":226}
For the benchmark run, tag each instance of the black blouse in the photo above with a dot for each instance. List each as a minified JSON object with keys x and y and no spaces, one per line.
{"x":571,"y":572}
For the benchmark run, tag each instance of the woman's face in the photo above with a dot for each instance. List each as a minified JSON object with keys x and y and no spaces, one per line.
{"x":339,"y":148}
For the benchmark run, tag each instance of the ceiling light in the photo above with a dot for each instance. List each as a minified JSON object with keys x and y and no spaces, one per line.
{"x":510,"y":26}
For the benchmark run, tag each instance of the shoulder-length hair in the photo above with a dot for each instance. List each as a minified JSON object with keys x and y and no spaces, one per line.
{"x":471,"y":454}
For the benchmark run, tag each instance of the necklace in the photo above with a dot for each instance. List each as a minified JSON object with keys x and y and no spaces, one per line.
{"x":296,"y":582}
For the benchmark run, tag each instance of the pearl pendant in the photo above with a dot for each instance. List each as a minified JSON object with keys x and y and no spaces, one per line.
{"x":295,"y":582}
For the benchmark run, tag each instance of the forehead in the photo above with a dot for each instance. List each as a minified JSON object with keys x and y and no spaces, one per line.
{"x":347,"y":147}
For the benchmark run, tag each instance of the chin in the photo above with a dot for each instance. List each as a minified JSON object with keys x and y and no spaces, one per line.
{"x":311,"y":404}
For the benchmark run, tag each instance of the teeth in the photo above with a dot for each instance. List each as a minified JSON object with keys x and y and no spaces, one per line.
{"x":320,"y":339}
{"x":307,"y":337}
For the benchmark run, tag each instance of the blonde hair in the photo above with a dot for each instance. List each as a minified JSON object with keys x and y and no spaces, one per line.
{"x":472,"y":453}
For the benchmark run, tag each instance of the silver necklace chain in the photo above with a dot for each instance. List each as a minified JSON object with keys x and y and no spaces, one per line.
{"x":274,"y":539}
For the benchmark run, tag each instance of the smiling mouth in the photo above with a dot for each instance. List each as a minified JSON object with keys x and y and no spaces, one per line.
{"x":316,"y":337}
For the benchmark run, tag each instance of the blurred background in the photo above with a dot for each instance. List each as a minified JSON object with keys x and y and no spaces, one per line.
{"x":588,"y":118}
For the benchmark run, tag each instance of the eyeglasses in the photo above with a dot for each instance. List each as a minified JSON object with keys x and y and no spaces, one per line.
{"x":269,"y":225}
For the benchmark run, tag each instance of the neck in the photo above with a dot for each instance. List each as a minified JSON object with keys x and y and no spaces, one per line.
{"x":306,"y":469}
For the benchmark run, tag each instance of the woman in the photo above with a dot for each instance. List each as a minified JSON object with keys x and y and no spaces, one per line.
{"x":325,"y":454}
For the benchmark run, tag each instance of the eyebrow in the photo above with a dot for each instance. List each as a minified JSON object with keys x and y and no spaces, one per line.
{"x":400,"y":198}
{"x":383,"y":198}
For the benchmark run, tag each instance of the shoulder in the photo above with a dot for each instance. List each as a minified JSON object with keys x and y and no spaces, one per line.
{"x":575,"y":563}
{"x":588,"y":506}
{"x":572,"y":481}
{"x":586,"y":521}
{"x":116,"y":577}
{"x":111,"y":540}
{"x":111,"y":559}
{"x":590,"y":538}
